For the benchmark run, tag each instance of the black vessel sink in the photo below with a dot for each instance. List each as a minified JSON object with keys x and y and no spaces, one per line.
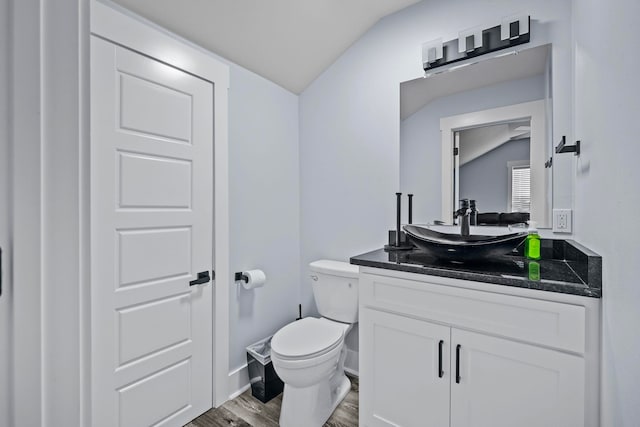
{"x":446,"y":241}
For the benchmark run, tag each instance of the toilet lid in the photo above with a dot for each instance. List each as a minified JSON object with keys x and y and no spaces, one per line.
{"x":307,"y":337}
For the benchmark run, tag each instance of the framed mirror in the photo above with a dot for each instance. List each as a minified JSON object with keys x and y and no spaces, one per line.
{"x":477,"y":131}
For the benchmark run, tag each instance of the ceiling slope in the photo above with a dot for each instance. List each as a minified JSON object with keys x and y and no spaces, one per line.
{"x":290,"y":42}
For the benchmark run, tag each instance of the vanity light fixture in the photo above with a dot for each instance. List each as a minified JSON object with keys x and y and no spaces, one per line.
{"x":513,"y":30}
{"x":432,"y":52}
{"x":470,"y":39}
{"x":514,"y":26}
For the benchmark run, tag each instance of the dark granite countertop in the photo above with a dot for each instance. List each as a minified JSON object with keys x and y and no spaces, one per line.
{"x":566,"y":267}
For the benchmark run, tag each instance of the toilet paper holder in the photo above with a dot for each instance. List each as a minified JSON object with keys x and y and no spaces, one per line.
{"x":243,"y":277}
{"x":251,"y":279}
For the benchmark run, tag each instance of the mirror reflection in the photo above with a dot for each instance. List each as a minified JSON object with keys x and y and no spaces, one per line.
{"x":496,"y":115}
{"x":493,"y":167}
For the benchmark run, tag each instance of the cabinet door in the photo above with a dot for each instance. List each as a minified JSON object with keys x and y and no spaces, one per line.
{"x":504,"y":383}
{"x":404,"y":371}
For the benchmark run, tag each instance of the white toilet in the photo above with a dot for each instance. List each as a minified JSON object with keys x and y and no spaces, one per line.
{"x":308,"y":355}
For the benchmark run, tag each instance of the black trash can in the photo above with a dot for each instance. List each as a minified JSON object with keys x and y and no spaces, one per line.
{"x":265,"y":383}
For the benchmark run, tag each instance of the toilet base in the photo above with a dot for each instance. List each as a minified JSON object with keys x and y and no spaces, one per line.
{"x":312,"y":406}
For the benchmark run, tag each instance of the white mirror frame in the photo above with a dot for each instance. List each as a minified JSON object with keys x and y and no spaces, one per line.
{"x":540,"y":176}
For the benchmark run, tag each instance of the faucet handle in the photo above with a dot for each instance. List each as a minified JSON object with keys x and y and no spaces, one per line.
{"x":462,"y":211}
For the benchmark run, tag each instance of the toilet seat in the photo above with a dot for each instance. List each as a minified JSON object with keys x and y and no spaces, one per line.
{"x":307,"y":338}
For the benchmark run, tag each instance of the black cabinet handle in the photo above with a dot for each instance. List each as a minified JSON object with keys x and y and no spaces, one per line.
{"x":203,"y":277}
{"x":458,"y":364}
{"x":440,"y":371}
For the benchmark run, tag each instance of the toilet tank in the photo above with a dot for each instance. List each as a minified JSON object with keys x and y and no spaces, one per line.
{"x":335,"y":289}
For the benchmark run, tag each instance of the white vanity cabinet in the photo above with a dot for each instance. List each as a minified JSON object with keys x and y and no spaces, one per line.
{"x":445,"y":352}
{"x":503,"y":383}
{"x":399,"y":365}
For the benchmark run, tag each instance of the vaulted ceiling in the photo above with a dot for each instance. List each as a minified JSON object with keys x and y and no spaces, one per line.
{"x":289,"y":42}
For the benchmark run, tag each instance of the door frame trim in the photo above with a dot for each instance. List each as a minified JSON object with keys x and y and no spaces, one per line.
{"x":128,"y":30}
{"x":48,"y":133}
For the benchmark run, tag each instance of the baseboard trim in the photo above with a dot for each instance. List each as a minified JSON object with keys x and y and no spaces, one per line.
{"x":239,"y":377}
{"x":351,"y":372}
{"x":351,"y":363}
{"x":238,"y":381}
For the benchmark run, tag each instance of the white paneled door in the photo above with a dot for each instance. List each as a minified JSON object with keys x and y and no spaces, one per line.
{"x":151,"y":234}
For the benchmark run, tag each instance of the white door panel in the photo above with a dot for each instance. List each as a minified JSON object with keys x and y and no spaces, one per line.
{"x":147,"y":327}
{"x":147,"y":255}
{"x":137,"y":408}
{"x":151,"y":233}
{"x":153,"y":181}
{"x":139,"y":97}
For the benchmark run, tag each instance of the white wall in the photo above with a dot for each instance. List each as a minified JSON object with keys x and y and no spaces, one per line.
{"x":5,"y":211}
{"x":607,"y":104}
{"x":421,"y":144}
{"x":264,"y":207}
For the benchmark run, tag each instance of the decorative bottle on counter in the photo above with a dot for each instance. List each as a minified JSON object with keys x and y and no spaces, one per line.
{"x":532,"y":243}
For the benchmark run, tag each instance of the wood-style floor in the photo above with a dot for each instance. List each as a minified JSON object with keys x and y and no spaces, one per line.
{"x":245,"y":410}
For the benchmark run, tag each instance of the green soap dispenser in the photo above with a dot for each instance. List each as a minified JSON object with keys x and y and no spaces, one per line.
{"x":532,"y":243}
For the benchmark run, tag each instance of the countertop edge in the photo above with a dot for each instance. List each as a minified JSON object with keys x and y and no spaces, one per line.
{"x":511,"y":281}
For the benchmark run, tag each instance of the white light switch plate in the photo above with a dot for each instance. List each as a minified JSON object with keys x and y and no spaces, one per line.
{"x":562,"y":220}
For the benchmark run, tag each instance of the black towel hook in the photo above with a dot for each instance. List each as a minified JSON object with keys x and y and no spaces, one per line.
{"x":564,"y":148}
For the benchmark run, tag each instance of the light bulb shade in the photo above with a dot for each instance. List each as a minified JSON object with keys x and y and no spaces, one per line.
{"x":470,"y":39}
{"x":432,"y":51}
{"x":514,"y":26}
